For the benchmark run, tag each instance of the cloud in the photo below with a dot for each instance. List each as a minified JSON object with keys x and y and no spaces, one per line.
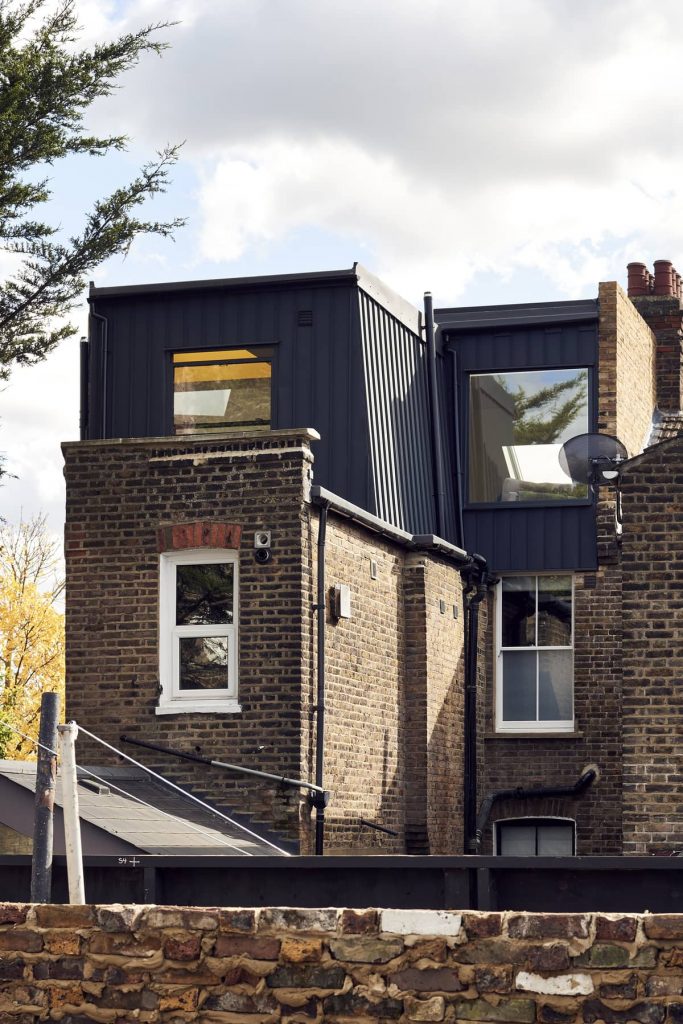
{"x":449,"y":139}
{"x":454,"y":146}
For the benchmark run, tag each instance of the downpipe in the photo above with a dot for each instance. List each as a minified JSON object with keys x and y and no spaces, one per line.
{"x":587,"y":777}
{"x":320,"y":799}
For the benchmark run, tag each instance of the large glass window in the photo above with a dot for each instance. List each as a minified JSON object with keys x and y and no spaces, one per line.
{"x":217,"y":389}
{"x":198,"y":632}
{"x":535,"y":688}
{"x":517,"y":424}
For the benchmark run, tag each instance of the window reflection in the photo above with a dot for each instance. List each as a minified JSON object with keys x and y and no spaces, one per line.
{"x":217,"y":389}
{"x":518,"y":423}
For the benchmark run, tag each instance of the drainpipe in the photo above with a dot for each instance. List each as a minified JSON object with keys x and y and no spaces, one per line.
{"x":460,"y":490}
{"x":105,"y":354}
{"x":474,"y":593}
{"x":319,"y":800}
{"x":588,"y":775}
{"x":437,"y":446}
{"x":85,"y":371}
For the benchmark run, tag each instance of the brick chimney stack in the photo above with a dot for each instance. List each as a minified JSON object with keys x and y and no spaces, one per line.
{"x":657,"y":297}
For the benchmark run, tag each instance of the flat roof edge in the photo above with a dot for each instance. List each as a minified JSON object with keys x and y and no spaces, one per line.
{"x":207,"y":284}
{"x":403,"y":310}
{"x":511,"y":314}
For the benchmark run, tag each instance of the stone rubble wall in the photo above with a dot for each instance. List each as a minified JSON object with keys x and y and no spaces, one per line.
{"x":243,"y":966}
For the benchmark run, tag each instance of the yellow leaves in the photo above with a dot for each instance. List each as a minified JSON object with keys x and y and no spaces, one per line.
{"x":31,"y":633}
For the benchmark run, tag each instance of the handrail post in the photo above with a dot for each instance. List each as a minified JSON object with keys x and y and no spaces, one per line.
{"x":46,"y":778}
{"x":72,"y":822}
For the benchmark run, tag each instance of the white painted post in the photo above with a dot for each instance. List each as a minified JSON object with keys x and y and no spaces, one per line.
{"x":72,"y":822}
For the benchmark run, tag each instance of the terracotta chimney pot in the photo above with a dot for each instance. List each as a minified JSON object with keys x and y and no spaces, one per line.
{"x":638,"y":279}
{"x":664,"y":272}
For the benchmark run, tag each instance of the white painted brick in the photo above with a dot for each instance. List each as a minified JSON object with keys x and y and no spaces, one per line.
{"x":557,"y":985}
{"x":421,"y":922}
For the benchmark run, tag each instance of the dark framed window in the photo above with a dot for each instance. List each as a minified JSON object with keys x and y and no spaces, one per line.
{"x":221,"y":388}
{"x":535,"y":837}
{"x":518,"y":421}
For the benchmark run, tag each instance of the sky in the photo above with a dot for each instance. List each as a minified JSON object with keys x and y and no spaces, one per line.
{"x":507,"y":151}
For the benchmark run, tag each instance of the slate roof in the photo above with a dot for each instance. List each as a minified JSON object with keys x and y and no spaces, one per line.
{"x":665,"y":425}
{"x":131,"y":805}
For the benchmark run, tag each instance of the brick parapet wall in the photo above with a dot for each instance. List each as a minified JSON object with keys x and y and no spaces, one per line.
{"x":626,"y":369}
{"x":224,"y":966}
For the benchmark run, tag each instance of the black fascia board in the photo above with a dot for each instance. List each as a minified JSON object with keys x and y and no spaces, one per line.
{"x":322,"y":277}
{"x":467,"y":318}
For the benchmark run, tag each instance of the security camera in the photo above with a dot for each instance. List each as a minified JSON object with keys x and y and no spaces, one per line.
{"x":262,"y":539}
{"x":262,"y":555}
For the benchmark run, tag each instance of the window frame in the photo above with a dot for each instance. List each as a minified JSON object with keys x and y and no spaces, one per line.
{"x":173,"y":700}
{"x":212,"y":354}
{"x":530,"y":726}
{"x":591,"y":401}
{"x":556,"y":821}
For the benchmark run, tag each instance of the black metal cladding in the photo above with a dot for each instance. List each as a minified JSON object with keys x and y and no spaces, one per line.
{"x":397,"y":395}
{"x":555,"y":535}
{"x":347,"y":361}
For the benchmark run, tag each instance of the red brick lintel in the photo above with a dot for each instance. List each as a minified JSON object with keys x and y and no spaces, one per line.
{"x":198,"y":535}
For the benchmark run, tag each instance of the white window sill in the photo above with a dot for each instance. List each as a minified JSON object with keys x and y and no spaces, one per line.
{"x":534,"y":734}
{"x":201,"y":707}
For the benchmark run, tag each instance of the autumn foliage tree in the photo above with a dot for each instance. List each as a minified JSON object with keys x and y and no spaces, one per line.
{"x":31,"y":632}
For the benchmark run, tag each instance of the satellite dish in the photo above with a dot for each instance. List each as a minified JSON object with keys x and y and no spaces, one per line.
{"x":592,"y":458}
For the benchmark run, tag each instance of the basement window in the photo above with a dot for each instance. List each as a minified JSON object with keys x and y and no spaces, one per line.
{"x":535,"y":837}
{"x":198,"y":632}
{"x":517,"y":424}
{"x":535,"y":657}
{"x":216,"y":389}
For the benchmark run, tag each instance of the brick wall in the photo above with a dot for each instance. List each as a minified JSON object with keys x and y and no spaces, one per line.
{"x":652,"y":548}
{"x":222,"y":966}
{"x":663,"y":314}
{"x":626,"y":369}
{"x":434,"y":695}
{"x":557,"y":760}
{"x":445,"y":707}
{"x":627,"y":396}
{"x":365,"y":716}
{"x":393,"y":728}
{"x":118,"y":495}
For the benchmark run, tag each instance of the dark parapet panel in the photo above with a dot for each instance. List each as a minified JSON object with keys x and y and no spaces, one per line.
{"x":544,"y":538}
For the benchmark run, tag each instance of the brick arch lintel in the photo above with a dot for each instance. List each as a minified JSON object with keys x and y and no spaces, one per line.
{"x":203,"y":533}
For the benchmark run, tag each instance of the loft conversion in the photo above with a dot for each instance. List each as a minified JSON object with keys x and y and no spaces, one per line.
{"x":421,"y":423}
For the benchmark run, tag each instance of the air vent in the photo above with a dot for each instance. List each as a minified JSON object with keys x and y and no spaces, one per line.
{"x":304,"y":318}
